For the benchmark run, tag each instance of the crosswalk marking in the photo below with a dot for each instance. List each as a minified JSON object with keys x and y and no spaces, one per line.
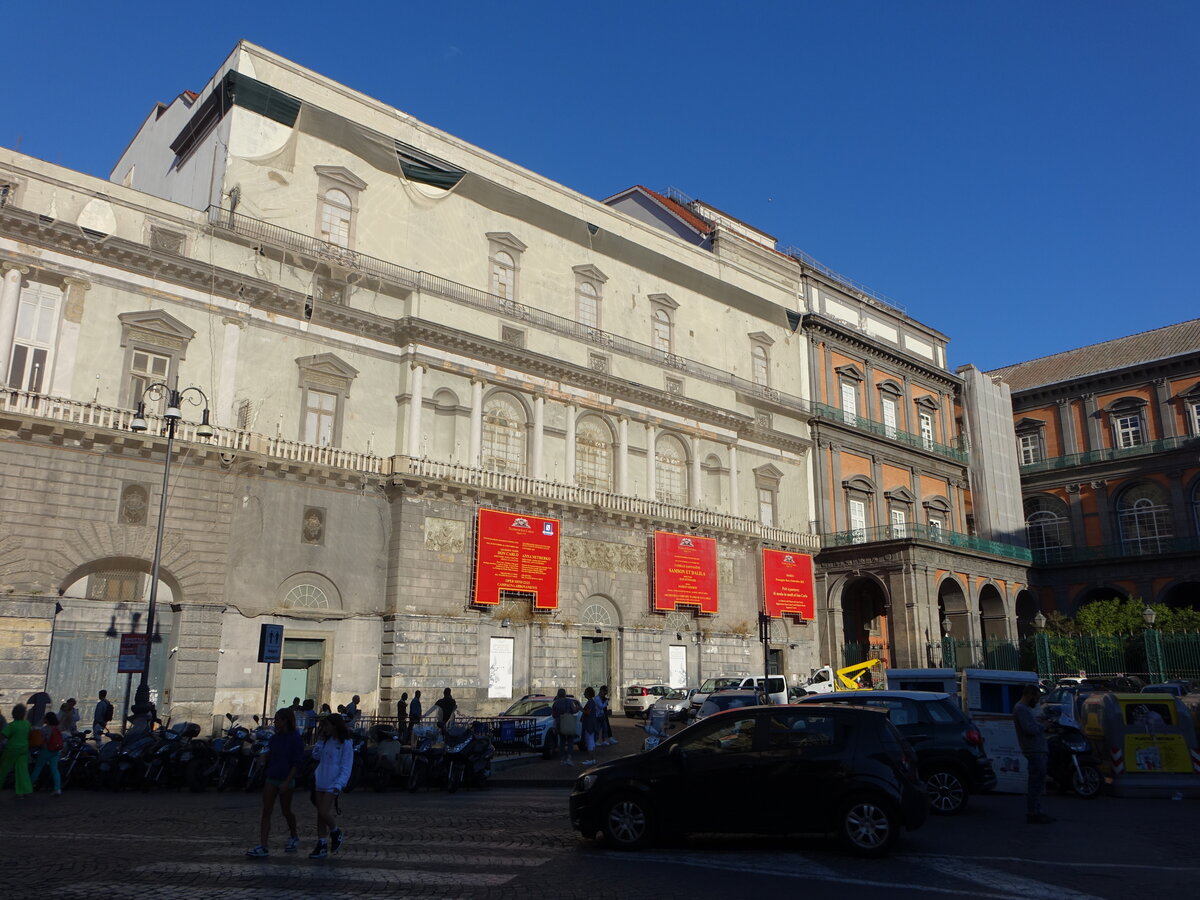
{"x":1012,"y":884}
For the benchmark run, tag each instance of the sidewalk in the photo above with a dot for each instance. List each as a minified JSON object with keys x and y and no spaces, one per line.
{"x":530,"y":770}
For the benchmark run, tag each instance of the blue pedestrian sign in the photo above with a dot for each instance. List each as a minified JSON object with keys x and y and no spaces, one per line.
{"x":270,"y":644}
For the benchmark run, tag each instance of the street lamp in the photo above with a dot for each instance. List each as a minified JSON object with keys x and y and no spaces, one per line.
{"x":1041,"y":645}
{"x":1149,"y":616}
{"x":949,"y":651}
{"x":1155,"y":663}
{"x":172,"y":417}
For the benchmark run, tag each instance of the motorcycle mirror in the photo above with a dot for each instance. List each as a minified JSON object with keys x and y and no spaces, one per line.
{"x":256,"y":717}
{"x":229,"y":716}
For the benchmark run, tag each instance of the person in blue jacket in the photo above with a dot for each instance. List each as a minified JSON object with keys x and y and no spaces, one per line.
{"x":334,"y":753}
{"x":285,"y":753}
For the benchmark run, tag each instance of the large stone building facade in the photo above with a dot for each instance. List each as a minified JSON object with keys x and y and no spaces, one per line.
{"x":394,"y":330}
{"x":1107,"y":438}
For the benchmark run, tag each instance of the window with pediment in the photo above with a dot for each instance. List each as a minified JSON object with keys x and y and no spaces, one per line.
{"x":594,"y":454}
{"x":324,"y":392}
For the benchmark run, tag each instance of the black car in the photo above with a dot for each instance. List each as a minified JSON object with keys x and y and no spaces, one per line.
{"x":761,"y":769}
{"x":949,"y":748}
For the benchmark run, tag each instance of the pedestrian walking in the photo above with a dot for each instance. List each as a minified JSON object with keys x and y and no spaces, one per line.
{"x":566,"y":725}
{"x":68,"y":716}
{"x":604,"y":703}
{"x":102,"y":715}
{"x":446,"y":708}
{"x":402,"y":717}
{"x":1031,"y":735}
{"x":47,"y":755}
{"x":590,"y":725}
{"x":15,"y":756}
{"x":414,"y":710}
{"x":285,"y":753}
{"x":307,"y":720}
{"x":334,"y":753}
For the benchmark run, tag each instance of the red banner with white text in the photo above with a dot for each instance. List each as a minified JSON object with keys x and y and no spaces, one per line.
{"x":685,"y":572}
{"x":516,"y":553}
{"x":787,"y":583}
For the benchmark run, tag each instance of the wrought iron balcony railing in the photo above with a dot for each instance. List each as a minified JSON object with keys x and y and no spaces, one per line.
{"x":1108,"y":454}
{"x":862,"y":423}
{"x":927,"y":534}
{"x":1149,"y":546}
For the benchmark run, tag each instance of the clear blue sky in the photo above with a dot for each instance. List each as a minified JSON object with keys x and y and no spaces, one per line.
{"x":1020,"y":175}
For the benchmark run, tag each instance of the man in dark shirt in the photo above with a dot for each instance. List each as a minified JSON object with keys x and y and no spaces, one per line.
{"x":1031,"y":735}
{"x":446,"y":707}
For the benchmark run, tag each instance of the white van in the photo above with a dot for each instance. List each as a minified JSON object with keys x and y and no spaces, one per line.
{"x":776,"y":688}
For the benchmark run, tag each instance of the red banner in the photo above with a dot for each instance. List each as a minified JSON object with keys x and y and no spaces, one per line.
{"x":131,"y":657}
{"x":516,"y":553}
{"x":787,"y":583}
{"x":685,"y":572}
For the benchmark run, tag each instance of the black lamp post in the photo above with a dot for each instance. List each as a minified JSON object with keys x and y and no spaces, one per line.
{"x":1155,"y":664}
{"x":171,"y":418}
{"x":1041,"y":645}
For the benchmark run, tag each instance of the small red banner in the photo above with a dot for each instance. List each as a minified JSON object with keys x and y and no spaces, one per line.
{"x":787,"y":583}
{"x":685,"y":572}
{"x":131,"y":657}
{"x":516,"y":553}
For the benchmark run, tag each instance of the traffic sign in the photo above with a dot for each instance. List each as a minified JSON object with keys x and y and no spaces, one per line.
{"x":270,"y":644}
{"x":133,"y":652}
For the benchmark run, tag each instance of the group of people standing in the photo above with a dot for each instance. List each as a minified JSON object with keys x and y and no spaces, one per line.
{"x":592,"y":727}
{"x":36,"y":736}
{"x":409,"y":713}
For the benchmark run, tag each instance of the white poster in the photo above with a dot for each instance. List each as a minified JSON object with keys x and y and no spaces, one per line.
{"x":677,"y":666}
{"x":500,"y":668}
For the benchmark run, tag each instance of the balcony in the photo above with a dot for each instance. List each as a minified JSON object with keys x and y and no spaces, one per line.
{"x":1108,"y":454}
{"x":413,"y":280}
{"x":75,"y":415}
{"x":925,"y":534}
{"x":1143,"y":547}
{"x":862,"y":423}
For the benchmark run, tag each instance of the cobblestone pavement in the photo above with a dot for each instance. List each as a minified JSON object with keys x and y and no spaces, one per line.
{"x":515,"y":842}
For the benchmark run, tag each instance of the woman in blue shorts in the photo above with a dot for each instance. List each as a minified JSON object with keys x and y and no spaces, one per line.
{"x":285,"y":753}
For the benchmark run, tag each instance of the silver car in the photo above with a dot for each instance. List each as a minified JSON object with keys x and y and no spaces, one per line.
{"x":676,"y":705}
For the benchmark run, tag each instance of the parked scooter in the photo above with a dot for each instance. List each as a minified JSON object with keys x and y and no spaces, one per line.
{"x":469,"y":753}
{"x":384,"y":757}
{"x":256,"y":770}
{"x":77,"y":764}
{"x":1071,"y":763}
{"x":232,"y":754}
{"x":427,"y":757}
{"x":166,"y":766}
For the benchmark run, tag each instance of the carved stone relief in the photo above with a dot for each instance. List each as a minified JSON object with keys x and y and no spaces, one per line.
{"x":135,"y":501}
{"x":445,"y":535}
{"x":312,"y":528}
{"x":603,"y":556}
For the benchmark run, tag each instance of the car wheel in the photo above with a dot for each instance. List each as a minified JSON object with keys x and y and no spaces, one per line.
{"x":947,"y":793}
{"x":1086,"y":782}
{"x":628,"y":822}
{"x":867,"y":826}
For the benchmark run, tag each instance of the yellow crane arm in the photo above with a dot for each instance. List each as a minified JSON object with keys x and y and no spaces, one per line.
{"x":851,"y":684}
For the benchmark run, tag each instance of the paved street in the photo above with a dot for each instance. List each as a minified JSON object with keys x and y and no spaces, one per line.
{"x":513,"y":841}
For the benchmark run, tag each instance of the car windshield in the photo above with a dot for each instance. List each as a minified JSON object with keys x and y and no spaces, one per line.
{"x":717,"y":684}
{"x":528,"y":708}
{"x":718,"y":702}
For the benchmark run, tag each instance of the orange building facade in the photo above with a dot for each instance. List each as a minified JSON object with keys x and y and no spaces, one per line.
{"x":1108,"y":438}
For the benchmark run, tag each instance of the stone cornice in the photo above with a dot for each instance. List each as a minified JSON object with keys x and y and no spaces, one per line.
{"x":820,"y":324}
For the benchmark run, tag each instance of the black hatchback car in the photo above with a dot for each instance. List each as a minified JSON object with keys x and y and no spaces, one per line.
{"x":761,"y":769}
{"x":949,"y":748}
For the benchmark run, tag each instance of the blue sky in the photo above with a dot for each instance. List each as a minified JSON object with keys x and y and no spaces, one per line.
{"x":1019,"y":175}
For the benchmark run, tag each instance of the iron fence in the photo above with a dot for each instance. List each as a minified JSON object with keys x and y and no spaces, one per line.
{"x":509,"y":734}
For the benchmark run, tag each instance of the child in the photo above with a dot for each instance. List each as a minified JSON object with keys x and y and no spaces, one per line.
{"x":15,"y":757}
{"x":285,"y":752}
{"x":52,"y":744}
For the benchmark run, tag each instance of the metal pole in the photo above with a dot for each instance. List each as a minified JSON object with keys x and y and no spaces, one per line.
{"x":764,"y":632}
{"x":141,"y":703}
{"x":266,"y":694}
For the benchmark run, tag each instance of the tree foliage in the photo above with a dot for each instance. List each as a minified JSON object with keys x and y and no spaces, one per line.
{"x":1122,"y":616}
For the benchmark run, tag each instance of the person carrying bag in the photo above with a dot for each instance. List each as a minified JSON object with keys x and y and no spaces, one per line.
{"x":565,"y":710}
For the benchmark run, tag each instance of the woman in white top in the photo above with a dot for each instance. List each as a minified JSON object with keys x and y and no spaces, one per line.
{"x":334,"y":752}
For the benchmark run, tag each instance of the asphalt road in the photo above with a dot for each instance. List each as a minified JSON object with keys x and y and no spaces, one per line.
{"x":515,"y":842}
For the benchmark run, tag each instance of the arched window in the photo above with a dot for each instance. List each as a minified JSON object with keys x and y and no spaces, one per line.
{"x":593,"y":454}
{"x":1047,"y":526}
{"x":670,"y":470}
{"x":587,"y":304}
{"x":1144,"y":519}
{"x":336,"y":212}
{"x":661,"y":337}
{"x":504,"y":275}
{"x":504,"y":434}
{"x":445,"y":422}
{"x":760,"y":365}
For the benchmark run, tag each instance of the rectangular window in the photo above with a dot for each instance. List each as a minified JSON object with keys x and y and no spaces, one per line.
{"x":1129,"y":431}
{"x":926,"y":430}
{"x":1031,"y":448}
{"x":319,"y":413}
{"x":1194,"y":409}
{"x":766,"y":507}
{"x":858,"y":521}
{"x":899,"y":523}
{"x":889,"y":416}
{"x":850,"y":403}
{"x":935,"y":528}
{"x":145,"y":369}
{"x":33,"y":340}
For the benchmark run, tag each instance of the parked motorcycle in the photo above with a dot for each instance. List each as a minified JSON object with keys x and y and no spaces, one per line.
{"x":384,"y":757}
{"x":77,"y":764}
{"x":165,"y":766}
{"x":428,"y":757}
{"x":1071,"y":763}
{"x":232,"y":754}
{"x":469,"y":753}
{"x":256,"y":770}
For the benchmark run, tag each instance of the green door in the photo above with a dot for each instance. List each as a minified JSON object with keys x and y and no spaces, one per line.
{"x":594,"y":671}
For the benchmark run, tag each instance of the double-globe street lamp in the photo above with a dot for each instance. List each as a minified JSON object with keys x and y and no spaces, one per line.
{"x":172,"y":416}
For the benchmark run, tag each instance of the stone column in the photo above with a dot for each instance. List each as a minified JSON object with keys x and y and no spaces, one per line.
{"x":67,"y":349}
{"x":1109,"y":534}
{"x":1095,"y":438}
{"x":416,"y":398}
{"x":735,"y":499}
{"x":10,"y":293}
{"x":623,"y":455}
{"x":226,"y":382}
{"x":476,"y":423}
{"x":651,"y":473}
{"x":1162,"y":408}
{"x":539,"y":419}
{"x":572,"y":415}
{"x":1066,"y":426}
{"x":695,"y":495}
